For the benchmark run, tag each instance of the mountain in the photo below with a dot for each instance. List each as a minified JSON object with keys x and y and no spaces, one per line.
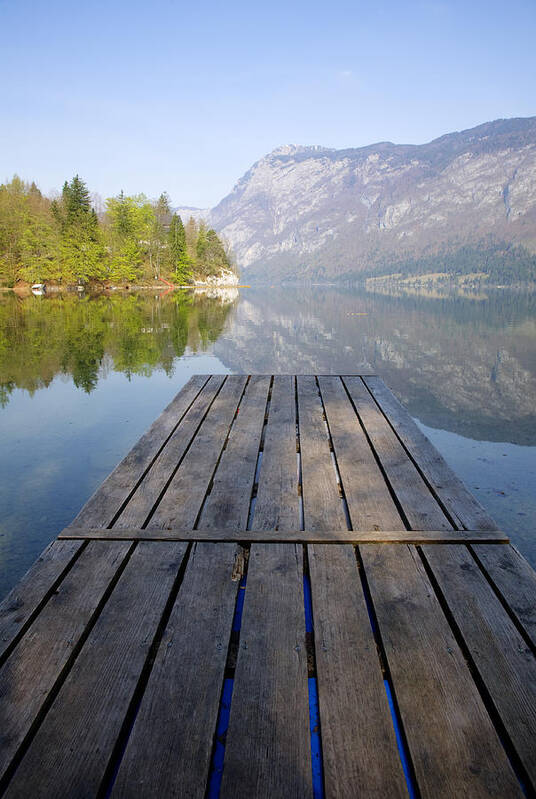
{"x":188,"y":211}
{"x":318,"y":213}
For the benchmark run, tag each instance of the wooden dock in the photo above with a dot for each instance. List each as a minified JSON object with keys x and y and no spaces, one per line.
{"x":282,"y":591}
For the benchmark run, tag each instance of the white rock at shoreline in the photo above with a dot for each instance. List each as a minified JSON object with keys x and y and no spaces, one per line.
{"x":224,"y":279}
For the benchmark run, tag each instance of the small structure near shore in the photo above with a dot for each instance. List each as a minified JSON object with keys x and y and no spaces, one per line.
{"x":282,"y":591}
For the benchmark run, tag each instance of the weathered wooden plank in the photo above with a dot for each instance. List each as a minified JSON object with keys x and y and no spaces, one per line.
{"x":343,"y":634}
{"x":504,"y":661}
{"x":465,"y":510}
{"x":168,"y":752}
{"x":20,"y":605}
{"x":420,"y":508}
{"x":228,"y":503}
{"x":268,"y":749}
{"x":152,"y":486}
{"x":516,"y":581}
{"x":277,"y":506}
{"x":358,"y":738}
{"x":105,"y":503}
{"x":185,"y":495}
{"x":408,"y":614}
{"x":505,"y":664}
{"x":454,"y":746}
{"x":72,"y":747}
{"x":37,"y":663}
{"x":369,"y":502}
{"x":270,"y":700}
{"x":294,"y":536}
{"x":322,"y":504}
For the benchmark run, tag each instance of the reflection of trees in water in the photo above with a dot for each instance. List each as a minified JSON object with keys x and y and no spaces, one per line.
{"x":134,"y":334}
{"x":463,"y":364}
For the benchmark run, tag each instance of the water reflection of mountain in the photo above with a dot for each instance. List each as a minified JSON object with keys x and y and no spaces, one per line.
{"x":459,"y":364}
{"x":85,"y":338}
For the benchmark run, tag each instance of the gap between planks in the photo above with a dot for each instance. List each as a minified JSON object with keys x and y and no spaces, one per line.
{"x":290,"y":536}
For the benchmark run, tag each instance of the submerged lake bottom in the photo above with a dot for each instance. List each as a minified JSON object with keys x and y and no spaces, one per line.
{"x":82,"y":378}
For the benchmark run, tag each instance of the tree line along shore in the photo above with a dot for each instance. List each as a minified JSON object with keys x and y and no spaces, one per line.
{"x":68,"y":241}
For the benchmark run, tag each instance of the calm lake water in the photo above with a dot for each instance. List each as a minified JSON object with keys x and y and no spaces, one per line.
{"x":82,"y":378}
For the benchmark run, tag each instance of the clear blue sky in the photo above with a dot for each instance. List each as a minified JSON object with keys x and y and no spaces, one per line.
{"x":184,"y":97}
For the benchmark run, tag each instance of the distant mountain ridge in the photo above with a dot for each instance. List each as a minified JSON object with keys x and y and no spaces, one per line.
{"x":318,"y":213}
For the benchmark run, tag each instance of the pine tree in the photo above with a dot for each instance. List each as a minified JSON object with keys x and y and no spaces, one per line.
{"x":76,"y":200}
{"x":162,"y":209}
{"x":180,"y":261}
{"x":123,"y":222}
{"x":215,"y":257}
{"x":34,"y":191}
{"x":201,"y":248}
{"x":56,"y":212}
{"x":156,"y":245}
{"x":191,"y":236}
{"x":81,"y":252}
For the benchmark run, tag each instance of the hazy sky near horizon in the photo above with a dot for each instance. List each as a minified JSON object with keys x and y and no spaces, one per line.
{"x":184,"y":97}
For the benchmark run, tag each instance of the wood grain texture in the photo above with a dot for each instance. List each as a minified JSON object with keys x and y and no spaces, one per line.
{"x":37,"y":663}
{"x":420,"y":507}
{"x":515,"y":579}
{"x":277,"y":506}
{"x":292,"y":535}
{"x":184,"y":497}
{"x":358,"y":739}
{"x":24,"y":600}
{"x":465,"y":510}
{"x":270,"y":700}
{"x":454,"y":746}
{"x":359,"y":750}
{"x":228,"y":503}
{"x":268,"y":748}
{"x":72,"y":747}
{"x":370,"y":504}
{"x":78,"y":684}
{"x":152,"y":486}
{"x":322,"y":505}
{"x":108,"y":499}
{"x":169,"y":749}
{"x":504,"y":661}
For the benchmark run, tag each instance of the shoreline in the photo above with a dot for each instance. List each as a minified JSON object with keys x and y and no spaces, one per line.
{"x":26,"y":290}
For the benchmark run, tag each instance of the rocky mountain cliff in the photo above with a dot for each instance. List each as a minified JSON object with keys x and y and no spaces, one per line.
{"x":316,"y":213}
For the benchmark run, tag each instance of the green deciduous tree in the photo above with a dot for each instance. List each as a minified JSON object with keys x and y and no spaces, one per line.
{"x":125,"y":262}
{"x":65,"y":240}
{"x":14,"y":210}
